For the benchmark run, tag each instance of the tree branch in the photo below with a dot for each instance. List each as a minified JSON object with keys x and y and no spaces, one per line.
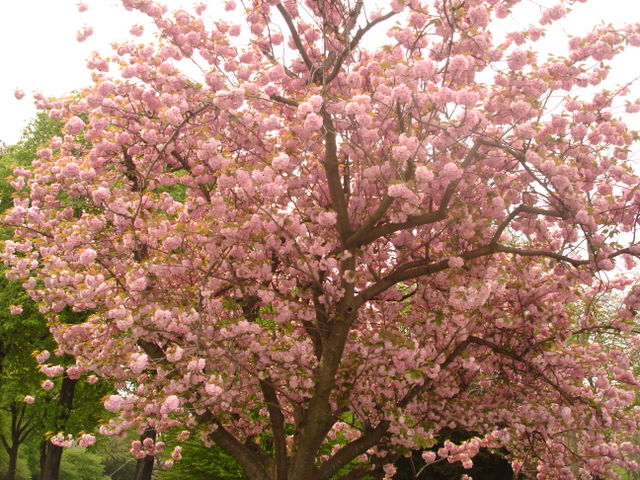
{"x":277,"y":428}
{"x":351,"y":450}
{"x":367,"y":233}
{"x":241,"y":453}
{"x":332,"y":171}
{"x":296,"y":38}
{"x":353,"y":44}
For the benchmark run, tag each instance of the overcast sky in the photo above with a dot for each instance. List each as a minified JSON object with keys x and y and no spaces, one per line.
{"x":39,"y":51}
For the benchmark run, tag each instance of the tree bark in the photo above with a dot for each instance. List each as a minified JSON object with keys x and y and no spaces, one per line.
{"x":13,"y":462}
{"x":21,"y":428}
{"x":53,"y":453}
{"x":144,"y":467}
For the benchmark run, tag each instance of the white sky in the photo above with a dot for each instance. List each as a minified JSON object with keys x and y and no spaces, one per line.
{"x":39,"y":51}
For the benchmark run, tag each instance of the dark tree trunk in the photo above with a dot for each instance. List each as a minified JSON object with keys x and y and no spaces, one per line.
{"x":21,"y":428}
{"x":144,"y":467}
{"x":53,"y":453}
{"x":13,"y":463}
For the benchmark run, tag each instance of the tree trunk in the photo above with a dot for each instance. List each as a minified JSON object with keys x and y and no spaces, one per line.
{"x":53,"y":453}
{"x":144,"y":467}
{"x":13,"y":462}
{"x":20,"y":430}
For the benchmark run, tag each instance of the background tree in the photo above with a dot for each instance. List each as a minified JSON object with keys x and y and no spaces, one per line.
{"x":23,"y":331}
{"x":355,"y":248}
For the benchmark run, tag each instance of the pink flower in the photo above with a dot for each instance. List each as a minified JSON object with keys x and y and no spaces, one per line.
{"x":397,"y":190}
{"x":42,"y":356}
{"x":389,"y":469}
{"x":87,"y":256}
{"x":456,"y":262}
{"x":423,"y":174}
{"x":99,"y":195}
{"x":212,"y":389}
{"x":113,"y":403}
{"x":171,"y":404}
{"x":86,"y":440}
{"x":479,"y":15}
{"x":47,"y":385}
{"x":82,"y":7}
{"x":15,"y":309}
{"x":326,"y":219}
{"x":92,"y":379}
{"x":401,"y":153}
{"x":70,"y":170}
{"x":139,"y":284}
{"x":280,"y":162}
{"x":29,"y":399}
{"x":52,"y":371}
{"x":138,"y":363}
{"x":517,"y":60}
{"x":84,"y":33}
{"x":136,"y":30}
{"x":429,"y":457}
{"x":313,"y":122}
{"x":451,"y":171}
{"x":75,"y":125}
{"x":19,"y":94}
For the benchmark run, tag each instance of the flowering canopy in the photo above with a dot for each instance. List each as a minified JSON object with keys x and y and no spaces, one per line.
{"x":355,"y":245}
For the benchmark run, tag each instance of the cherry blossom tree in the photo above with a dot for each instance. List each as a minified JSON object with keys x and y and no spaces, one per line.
{"x":330,"y":247}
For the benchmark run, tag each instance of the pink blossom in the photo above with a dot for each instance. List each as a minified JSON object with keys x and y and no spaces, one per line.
{"x":52,"y":371}
{"x":139,"y":284}
{"x":99,"y":195}
{"x":15,"y":309}
{"x":138,"y":363}
{"x":517,"y":60}
{"x":176,"y":454}
{"x":19,"y":94}
{"x":456,"y":262}
{"x":171,"y":404}
{"x":316,"y":102}
{"x":82,"y":7}
{"x":92,"y":379}
{"x":113,"y":403}
{"x":61,"y":440}
{"x":136,"y":30}
{"x":212,"y":389}
{"x":29,"y":399}
{"x":70,"y":170}
{"x":87,"y":256}
{"x":479,"y":15}
{"x":84,"y":33}
{"x":280,"y":162}
{"x":451,"y":171}
{"x":429,"y":457}
{"x":42,"y":356}
{"x":313,"y":122}
{"x":397,"y":190}
{"x":47,"y":385}
{"x":389,"y":470}
{"x":458,"y":63}
{"x":74,"y":125}
{"x":423,"y":174}
{"x":86,"y":440}
{"x":327,"y":219}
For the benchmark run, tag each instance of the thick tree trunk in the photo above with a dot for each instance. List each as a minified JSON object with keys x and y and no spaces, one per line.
{"x":144,"y":467}
{"x":53,"y":453}
{"x":13,"y":462}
